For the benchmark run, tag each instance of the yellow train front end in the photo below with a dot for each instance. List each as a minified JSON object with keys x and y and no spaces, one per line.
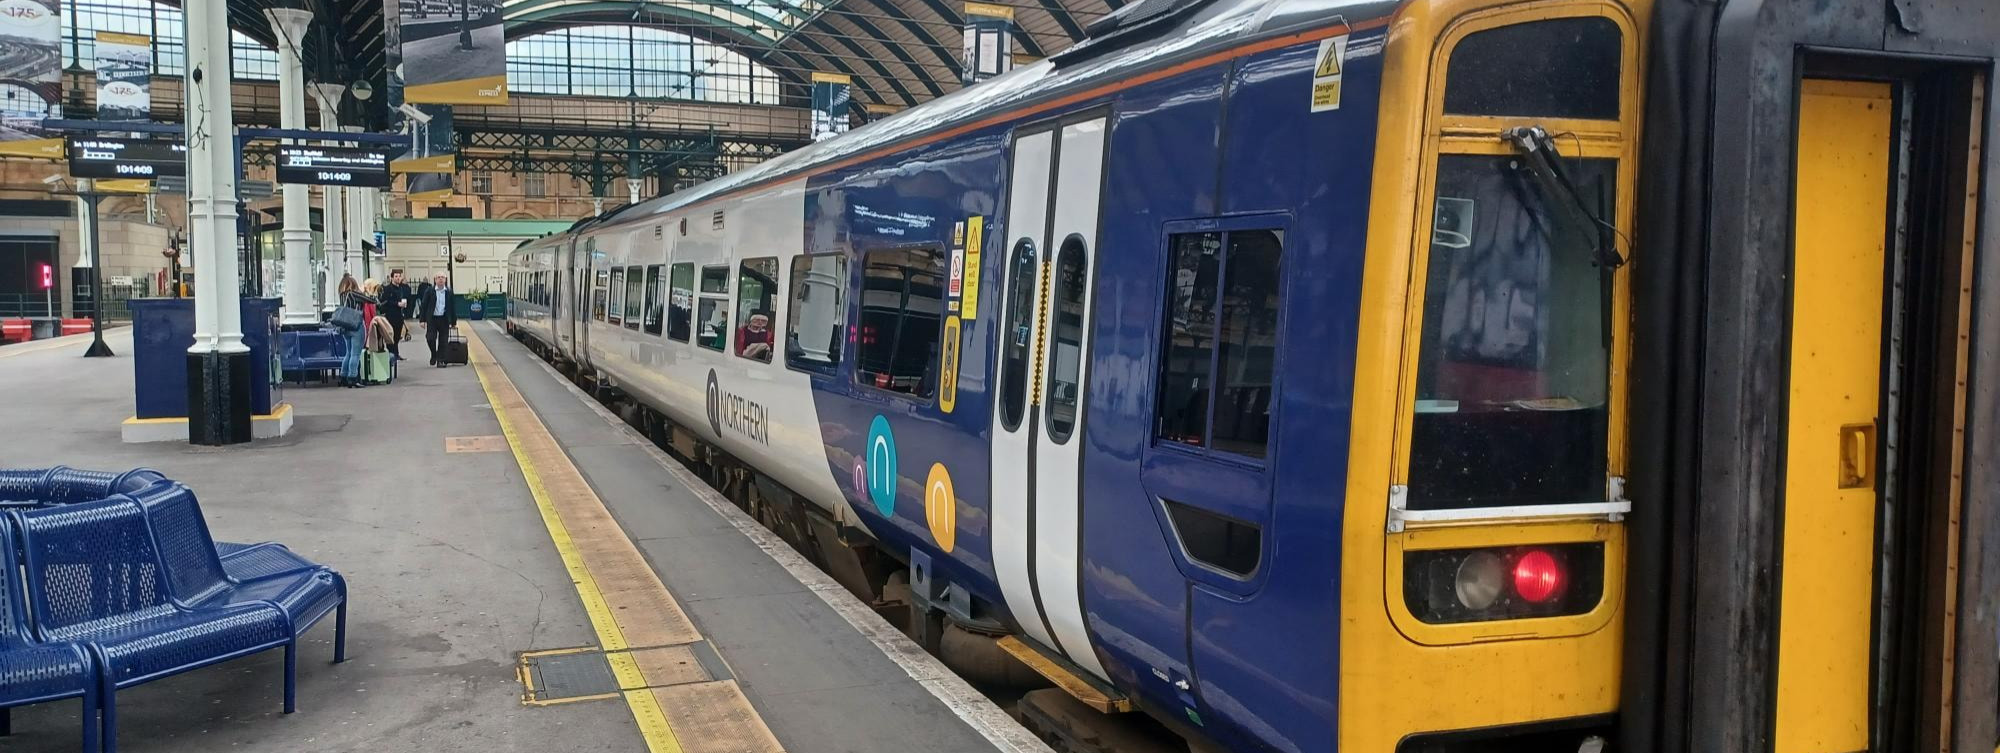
{"x":1484,"y":545}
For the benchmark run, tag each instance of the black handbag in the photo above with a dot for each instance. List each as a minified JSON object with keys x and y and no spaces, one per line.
{"x":347,"y":319}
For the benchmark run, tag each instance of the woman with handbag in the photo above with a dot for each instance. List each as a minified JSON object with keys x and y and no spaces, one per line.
{"x":376,"y":366}
{"x":351,"y":319}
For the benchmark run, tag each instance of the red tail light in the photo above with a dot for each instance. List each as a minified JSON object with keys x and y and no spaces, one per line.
{"x":1538,"y":577}
{"x":1443,"y":586}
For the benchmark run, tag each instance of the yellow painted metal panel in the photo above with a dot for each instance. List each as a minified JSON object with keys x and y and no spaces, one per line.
{"x":1836,"y":351}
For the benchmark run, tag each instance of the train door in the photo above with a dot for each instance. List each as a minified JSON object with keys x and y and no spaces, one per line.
{"x":1055,"y":190}
{"x":565,"y":308}
{"x":1869,"y":505}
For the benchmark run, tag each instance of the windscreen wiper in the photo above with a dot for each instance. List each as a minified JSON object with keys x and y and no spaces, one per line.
{"x":1545,"y":163}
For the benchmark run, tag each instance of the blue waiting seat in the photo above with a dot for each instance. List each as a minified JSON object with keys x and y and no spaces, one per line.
{"x":96,"y":576}
{"x":62,"y":484}
{"x":312,"y":350}
{"x":35,"y":487}
{"x":33,"y":671}
{"x":264,"y":573}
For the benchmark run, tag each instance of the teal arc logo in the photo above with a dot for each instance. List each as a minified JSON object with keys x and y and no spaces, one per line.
{"x":881,"y":466}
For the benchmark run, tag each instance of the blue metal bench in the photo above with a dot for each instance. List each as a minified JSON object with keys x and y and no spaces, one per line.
{"x":97,"y":576}
{"x":319,"y":351}
{"x":33,"y":671}
{"x":36,"y":487}
{"x":62,"y":484}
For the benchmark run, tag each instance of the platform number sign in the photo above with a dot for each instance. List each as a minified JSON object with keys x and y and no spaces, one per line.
{"x":1326,"y":73}
{"x":48,"y":277}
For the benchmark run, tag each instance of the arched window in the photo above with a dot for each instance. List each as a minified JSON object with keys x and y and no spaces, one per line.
{"x":82,"y":19}
{"x":618,"y":61}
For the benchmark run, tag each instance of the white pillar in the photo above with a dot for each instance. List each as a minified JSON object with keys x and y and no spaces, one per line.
{"x":211,"y":181}
{"x":86,"y":251}
{"x":332,"y":215}
{"x":360,"y":227}
{"x":290,"y":25}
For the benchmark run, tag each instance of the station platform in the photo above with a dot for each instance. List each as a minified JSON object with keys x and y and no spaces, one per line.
{"x":525,"y":573}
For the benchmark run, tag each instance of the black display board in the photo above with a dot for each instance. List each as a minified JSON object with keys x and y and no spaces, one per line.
{"x":98,"y":157}
{"x":333,"y":166}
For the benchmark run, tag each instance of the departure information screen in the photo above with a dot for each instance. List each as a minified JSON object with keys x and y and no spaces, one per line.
{"x":96,"y":157}
{"x":333,"y":166}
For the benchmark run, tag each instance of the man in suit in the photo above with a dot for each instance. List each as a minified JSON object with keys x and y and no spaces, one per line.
{"x":435,"y":311}
{"x":396,"y":302}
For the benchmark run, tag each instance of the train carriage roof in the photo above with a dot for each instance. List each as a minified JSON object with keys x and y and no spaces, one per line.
{"x":1141,"y":36}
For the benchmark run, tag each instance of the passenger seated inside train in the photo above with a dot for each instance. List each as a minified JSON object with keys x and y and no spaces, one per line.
{"x":753,"y":339}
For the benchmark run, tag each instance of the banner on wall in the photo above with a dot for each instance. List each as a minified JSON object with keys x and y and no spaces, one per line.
{"x":432,"y":161}
{"x":30,"y":77}
{"x":989,"y":41}
{"x":447,"y":52}
{"x":830,"y":102}
{"x":124,"y":77}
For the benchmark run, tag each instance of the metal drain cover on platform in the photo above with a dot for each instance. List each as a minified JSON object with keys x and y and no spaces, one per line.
{"x":567,"y":675}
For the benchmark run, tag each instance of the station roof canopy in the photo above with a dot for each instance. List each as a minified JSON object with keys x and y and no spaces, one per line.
{"x":899,"y":52}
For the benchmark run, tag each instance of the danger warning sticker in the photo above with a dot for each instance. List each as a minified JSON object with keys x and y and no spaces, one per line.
{"x":1326,"y":73}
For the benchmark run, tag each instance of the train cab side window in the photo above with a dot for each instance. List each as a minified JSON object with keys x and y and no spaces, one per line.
{"x":1559,"y":68}
{"x":712,"y":309}
{"x":756,"y":299}
{"x":1217,"y":362}
{"x":635,"y":301}
{"x":653,"y":303}
{"x":902,"y":314}
{"x":680,"y":302}
{"x":816,"y":320}
{"x":617,"y":295}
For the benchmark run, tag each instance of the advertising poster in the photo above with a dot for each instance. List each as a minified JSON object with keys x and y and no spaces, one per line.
{"x":432,"y":161}
{"x":124,"y":76}
{"x":448,"y":52}
{"x":830,"y":102}
{"x":30,"y":82}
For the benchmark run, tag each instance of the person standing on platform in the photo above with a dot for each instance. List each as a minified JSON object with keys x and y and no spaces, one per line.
{"x":362,"y":305}
{"x":396,"y":302}
{"x":435,"y":311}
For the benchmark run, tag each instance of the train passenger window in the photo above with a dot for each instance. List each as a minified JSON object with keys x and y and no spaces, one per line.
{"x":756,"y":299}
{"x":680,"y":301}
{"x":1022,"y":268}
{"x":712,"y":310}
{"x":1221,"y":336}
{"x":1066,"y":322}
{"x":635,"y":301}
{"x":817,"y":317}
{"x":617,"y":288}
{"x":1512,"y":393}
{"x":1559,"y":68}
{"x":654,"y":307}
{"x":902,"y":314}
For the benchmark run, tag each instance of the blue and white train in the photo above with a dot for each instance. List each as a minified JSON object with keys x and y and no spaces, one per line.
{"x":1256,"y":361}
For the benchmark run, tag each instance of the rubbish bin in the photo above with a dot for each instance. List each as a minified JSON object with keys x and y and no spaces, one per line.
{"x":45,"y":327}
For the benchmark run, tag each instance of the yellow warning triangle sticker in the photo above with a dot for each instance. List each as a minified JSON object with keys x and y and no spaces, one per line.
{"x":1329,"y":63}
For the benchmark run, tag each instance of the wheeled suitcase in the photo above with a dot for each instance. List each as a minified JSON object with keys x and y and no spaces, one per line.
{"x":455,"y":353}
{"x":379,"y":367}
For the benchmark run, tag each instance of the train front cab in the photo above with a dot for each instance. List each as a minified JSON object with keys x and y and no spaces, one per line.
{"x":1779,"y":416}
{"x":1482,"y":581}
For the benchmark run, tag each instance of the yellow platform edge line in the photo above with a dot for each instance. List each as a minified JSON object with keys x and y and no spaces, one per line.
{"x":652,"y":721}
